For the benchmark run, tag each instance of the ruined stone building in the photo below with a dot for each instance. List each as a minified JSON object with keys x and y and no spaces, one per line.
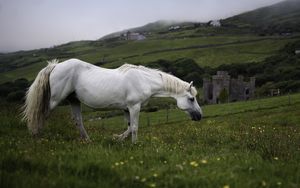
{"x":222,"y":86}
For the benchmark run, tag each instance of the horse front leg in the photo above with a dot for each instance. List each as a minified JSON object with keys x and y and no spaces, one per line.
{"x":134,"y":112}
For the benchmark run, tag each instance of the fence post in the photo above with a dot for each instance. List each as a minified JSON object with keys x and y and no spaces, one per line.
{"x":102,"y":122}
{"x":167,"y":118}
{"x":289,"y":97}
{"x":148,"y":120}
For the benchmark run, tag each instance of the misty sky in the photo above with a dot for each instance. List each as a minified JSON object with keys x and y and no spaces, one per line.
{"x":31,"y":24}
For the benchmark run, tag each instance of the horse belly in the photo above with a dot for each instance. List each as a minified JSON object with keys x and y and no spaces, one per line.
{"x":101,"y":95}
{"x":101,"y":101}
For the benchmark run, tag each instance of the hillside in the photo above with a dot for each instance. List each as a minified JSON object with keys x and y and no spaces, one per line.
{"x":150,"y":27}
{"x":211,"y":51}
{"x":207,"y":46}
{"x":283,"y":17}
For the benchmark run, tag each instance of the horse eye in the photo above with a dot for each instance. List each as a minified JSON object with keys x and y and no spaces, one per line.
{"x":192,"y":99}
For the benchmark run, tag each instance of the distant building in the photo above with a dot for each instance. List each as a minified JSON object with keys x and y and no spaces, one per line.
{"x":223,"y":84}
{"x":134,"y":36}
{"x":174,"y":28}
{"x":215,"y":23}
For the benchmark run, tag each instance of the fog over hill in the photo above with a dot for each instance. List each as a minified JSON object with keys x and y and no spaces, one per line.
{"x":37,"y":24}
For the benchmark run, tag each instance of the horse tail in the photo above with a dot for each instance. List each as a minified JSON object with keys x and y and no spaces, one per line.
{"x":37,"y":99}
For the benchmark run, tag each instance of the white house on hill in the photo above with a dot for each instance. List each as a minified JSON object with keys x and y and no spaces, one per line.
{"x":215,"y":23}
{"x":134,"y":36}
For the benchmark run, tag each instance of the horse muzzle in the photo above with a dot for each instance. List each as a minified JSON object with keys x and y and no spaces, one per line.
{"x":196,"y":116}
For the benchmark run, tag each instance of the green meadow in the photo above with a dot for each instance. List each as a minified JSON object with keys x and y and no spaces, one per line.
{"x":243,"y":144}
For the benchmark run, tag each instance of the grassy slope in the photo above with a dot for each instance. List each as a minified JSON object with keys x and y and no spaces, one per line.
{"x":283,"y":16}
{"x":245,"y":144}
{"x":207,"y":45}
{"x":207,"y":51}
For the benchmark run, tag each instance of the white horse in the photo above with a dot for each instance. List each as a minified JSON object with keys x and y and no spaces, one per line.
{"x":127,"y":87}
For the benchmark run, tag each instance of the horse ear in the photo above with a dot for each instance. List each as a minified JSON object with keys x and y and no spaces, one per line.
{"x":160,"y":74}
{"x":191,"y":85}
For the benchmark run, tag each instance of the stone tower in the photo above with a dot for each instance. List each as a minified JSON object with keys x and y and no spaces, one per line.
{"x":207,"y":90}
{"x":220,"y":82}
{"x":236,"y":89}
{"x":252,"y":87}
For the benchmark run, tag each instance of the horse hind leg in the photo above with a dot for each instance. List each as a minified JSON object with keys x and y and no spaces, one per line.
{"x":125,"y":134}
{"x":134,"y":121}
{"x":76,"y":113}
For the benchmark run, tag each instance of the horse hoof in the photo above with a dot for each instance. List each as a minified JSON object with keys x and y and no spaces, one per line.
{"x":119,"y":138}
{"x":86,"y":139}
{"x":116,"y":136}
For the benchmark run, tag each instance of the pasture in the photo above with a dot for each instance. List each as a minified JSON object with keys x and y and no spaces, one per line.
{"x":243,"y":144}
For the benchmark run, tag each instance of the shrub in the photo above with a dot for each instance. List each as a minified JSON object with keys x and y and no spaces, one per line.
{"x":223,"y":97}
{"x":15,"y":96}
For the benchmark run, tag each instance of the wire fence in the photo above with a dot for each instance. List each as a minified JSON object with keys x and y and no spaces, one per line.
{"x":174,"y":115}
{"x":163,"y":116}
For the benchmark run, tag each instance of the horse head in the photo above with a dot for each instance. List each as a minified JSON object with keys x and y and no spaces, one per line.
{"x":187,"y":102}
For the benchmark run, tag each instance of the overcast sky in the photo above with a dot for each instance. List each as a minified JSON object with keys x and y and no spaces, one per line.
{"x":31,"y":24}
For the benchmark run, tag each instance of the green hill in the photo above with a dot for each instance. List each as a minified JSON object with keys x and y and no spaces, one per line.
{"x":207,"y":46}
{"x":150,"y":27}
{"x":283,"y":17}
{"x":209,"y":51}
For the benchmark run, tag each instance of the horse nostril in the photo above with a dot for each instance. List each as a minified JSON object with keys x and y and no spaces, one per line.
{"x":196,"y":116}
{"x":200,"y":117}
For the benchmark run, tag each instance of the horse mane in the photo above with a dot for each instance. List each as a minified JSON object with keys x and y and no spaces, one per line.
{"x":175,"y":85}
{"x":126,"y":67}
{"x":171,"y":83}
{"x":53,"y":62}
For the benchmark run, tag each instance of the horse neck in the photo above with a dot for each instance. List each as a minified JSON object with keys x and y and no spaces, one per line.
{"x":168,"y":86}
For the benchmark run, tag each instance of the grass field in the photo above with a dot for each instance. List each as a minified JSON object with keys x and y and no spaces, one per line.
{"x":244,"y":144}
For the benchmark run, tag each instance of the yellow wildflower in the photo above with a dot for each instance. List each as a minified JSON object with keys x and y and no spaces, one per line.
{"x":194,"y":164}
{"x":203,"y":161}
{"x":279,"y":183}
